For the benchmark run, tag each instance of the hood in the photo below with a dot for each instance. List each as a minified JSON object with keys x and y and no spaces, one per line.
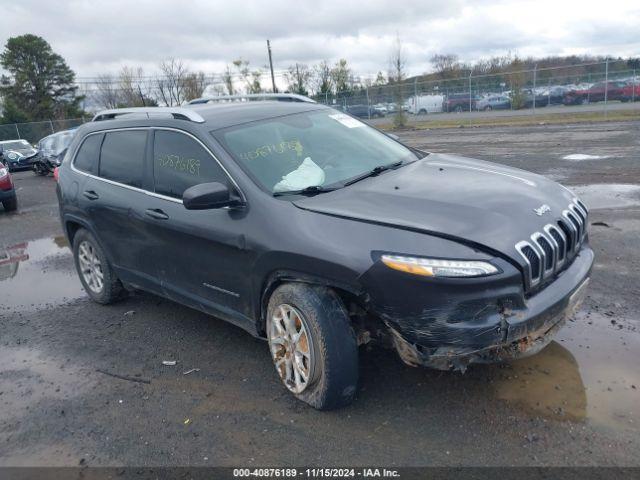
{"x":467,"y":200}
{"x":25,"y":152}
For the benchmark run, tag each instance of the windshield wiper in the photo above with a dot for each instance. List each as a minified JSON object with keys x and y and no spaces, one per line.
{"x":373,"y":172}
{"x":310,"y":190}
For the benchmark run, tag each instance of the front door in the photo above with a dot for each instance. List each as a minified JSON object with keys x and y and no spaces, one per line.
{"x":204,"y":260}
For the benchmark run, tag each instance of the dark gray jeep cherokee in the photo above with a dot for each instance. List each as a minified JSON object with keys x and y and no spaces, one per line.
{"x":319,"y":233}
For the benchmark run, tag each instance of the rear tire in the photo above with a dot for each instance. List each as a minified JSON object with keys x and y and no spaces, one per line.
{"x":95,"y":272}
{"x":10,"y":205}
{"x":320,"y":322}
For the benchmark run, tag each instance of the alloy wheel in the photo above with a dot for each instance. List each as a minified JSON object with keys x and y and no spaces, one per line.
{"x":291,"y":348}
{"x":90,"y":267}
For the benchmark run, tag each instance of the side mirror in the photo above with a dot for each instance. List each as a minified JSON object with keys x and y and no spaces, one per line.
{"x":208,"y":196}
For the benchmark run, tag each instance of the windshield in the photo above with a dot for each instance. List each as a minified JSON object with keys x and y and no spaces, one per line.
{"x":63,"y":141}
{"x":17,"y":145}
{"x":310,"y":149}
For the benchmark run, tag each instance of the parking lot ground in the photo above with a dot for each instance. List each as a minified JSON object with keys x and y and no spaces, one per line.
{"x":575,"y":403}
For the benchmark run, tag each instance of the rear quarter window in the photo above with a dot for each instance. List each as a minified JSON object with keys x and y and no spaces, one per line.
{"x":87,"y":158}
{"x":122,"y":157}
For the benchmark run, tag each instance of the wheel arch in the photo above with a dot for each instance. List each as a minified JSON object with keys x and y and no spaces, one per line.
{"x":346,"y":292}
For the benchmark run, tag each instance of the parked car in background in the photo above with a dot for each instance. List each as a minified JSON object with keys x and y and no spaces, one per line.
{"x":554,"y":95}
{"x":631,"y":91}
{"x":7,"y":190}
{"x":52,"y":150}
{"x":423,"y":104}
{"x":529,"y":96}
{"x":613,"y":90}
{"x":460,"y":102}
{"x":494,"y":102}
{"x":17,"y":154}
{"x":364,"y":111}
{"x":382,"y":107}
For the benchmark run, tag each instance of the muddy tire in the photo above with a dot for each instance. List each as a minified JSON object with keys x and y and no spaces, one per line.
{"x":95,"y":272}
{"x":10,"y":205}
{"x":318,"y":318}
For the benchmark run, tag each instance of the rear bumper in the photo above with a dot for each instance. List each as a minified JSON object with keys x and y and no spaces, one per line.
{"x":495,"y":333}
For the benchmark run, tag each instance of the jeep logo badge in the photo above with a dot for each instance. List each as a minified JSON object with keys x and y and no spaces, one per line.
{"x":541,"y":210}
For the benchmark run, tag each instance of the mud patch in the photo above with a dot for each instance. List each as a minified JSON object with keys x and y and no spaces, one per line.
{"x":601,"y":196}
{"x":36,"y":275}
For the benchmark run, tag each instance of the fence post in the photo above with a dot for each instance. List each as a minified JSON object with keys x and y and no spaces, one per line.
{"x":470,"y":91}
{"x":533,"y":92}
{"x":606,"y":84}
{"x":368,"y":102}
{"x":17,"y":130}
{"x":633,"y":87}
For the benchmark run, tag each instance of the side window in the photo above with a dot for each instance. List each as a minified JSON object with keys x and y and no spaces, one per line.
{"x":179,"y":162}
{"x":122,"y":157}
{"x":87,"y":157}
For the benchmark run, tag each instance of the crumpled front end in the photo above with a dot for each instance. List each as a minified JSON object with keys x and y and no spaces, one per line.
{"x":486,"y":323}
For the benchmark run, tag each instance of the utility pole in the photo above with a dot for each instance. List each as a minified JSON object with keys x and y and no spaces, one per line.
{"x":273,"y":79}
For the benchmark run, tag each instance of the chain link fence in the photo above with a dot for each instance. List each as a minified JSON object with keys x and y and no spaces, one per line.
{"x":35,"y":131}
{"x":520,"y":92}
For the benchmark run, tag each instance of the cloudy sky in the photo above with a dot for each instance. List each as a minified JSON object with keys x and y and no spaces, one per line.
{"x":101,"y":36}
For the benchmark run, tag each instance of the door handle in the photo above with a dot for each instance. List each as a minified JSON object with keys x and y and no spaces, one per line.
{"x":90,"y":194}
{"x":156,"y":213}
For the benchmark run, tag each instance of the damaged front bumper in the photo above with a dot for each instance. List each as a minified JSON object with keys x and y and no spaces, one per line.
{"x":520,"y":332}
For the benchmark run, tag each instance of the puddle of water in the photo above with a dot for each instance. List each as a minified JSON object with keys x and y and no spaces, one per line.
{"x":37,"y":274}
{"x":582,"y":156}
{"x":588,"y":373}
{"x":615,"y":195}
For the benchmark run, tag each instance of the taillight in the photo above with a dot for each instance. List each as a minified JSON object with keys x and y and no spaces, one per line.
{"x":55,"y":174}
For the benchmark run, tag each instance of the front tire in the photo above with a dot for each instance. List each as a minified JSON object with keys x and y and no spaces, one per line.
{"x":95,"y":272}
{"x":313,"y":345}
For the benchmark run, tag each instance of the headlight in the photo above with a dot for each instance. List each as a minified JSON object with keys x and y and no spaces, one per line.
{"x":432,"y":267}
{"x":3,"y":172}
{"x":12,"y":156}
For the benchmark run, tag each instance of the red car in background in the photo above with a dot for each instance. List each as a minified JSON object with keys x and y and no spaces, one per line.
{"x":615,"y":90}
{"x":7,"y":191}
{"x":631,"y":91}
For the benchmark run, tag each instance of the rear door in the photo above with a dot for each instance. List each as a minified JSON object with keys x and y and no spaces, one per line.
{"x":115,"y":198}
{"x":202,"y":257}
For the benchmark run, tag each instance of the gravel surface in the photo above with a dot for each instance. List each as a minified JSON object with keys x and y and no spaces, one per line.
{"x":575,"y":403}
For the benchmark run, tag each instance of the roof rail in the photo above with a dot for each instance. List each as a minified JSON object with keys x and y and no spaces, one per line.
{"x":179,"y":113}
{"x":281,"y":97}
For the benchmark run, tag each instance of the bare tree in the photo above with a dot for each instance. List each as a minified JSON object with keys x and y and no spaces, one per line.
{"x":227,"y":78}
{"x":170,"y":85}
{"x":397,"y":76}
{"x":447,"y":65}
{"x":130,"y":85}
{"x":250,"y":78}
{"x":321,"y":79}
{"x":298,"y":78}
{"x":194,"y":85}
{"x":106,"y":93}
{"x":341,"y":76}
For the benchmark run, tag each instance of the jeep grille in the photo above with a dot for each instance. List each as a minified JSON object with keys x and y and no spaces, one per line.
{"x":553,"y":248}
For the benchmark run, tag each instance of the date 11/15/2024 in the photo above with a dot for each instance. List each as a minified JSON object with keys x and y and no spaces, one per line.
{"x":315,"y":473}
